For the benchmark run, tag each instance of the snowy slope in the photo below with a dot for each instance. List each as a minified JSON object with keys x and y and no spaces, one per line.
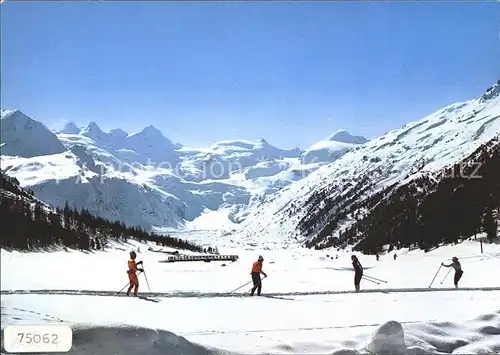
{"x":332,"y":148}
{"x":151,"y":145}
{"x":307,"y":306}
{"x":23,"y":136}
{"x":234,"y":156}
{"x":428,"y":145}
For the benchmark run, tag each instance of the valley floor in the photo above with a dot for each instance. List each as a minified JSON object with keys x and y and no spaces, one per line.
{"x":307,"y":306}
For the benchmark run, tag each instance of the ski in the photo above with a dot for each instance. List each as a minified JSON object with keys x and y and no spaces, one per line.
{"x":148,"y":299}
{"x":278,"y":298}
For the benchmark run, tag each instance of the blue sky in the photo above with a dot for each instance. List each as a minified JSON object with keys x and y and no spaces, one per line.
{"x":291,"y":72}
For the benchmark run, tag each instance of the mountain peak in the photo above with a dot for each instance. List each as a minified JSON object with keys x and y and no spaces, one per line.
{"x":150,"y":137}
{"x":92,"y":127}
{"x":70,"y":128}
{"x":345,"y":137}
{"x":152,"y":131}
{"x":492,"y":92}
{"x":92,"y":130}
{"x":36,"y":138}
{"x":5,"y":113}
{"x":332,"y":148}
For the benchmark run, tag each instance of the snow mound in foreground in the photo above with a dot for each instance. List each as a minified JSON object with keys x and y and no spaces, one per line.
{"x":134,"y":340}
{"x":388,"y":338}
{"x":479,"y":336}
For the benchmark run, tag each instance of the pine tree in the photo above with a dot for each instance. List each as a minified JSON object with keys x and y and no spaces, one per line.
{"x":490,"y":224}
{"x":30,"y":225}
{"x":67,"y":215}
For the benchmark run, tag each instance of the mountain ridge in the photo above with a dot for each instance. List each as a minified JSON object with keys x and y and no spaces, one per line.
{"x":22,"y":136}
{"x":326,"y":202}
{"x":111,"y":173}
{"x":264,"y":191}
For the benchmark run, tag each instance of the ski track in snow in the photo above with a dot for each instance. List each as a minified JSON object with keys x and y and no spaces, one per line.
{"x":228,"y":294}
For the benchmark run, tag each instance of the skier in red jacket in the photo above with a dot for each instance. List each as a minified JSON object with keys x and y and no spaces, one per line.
{"x":256,"y":271}
{"x":132,"y":273}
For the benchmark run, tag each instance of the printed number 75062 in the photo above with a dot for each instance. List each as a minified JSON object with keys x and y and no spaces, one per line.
{"x":44,"y":338}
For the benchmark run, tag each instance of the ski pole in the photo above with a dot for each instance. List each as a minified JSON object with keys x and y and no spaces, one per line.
{"x":375,"y":282}
{"x":444,"y":278}
{"x":124,"y":287}
{"x":147,"y":283}
{"x":440,"y":266}
{"x":374,"y":278}
{"x":240,"y":287}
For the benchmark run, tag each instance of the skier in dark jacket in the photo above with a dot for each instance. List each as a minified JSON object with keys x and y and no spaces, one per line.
{"x":458,"y":270}
{"x":358,"y":272}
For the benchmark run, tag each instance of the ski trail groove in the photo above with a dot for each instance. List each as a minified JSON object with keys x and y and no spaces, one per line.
{"x":238,"y":331}
{"x":188,"y":294}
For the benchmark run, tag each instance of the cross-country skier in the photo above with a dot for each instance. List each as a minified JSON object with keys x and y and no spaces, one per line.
{"x":132,"y":273}
{"x":358,"y":272}
{"x":256,"y":271}
{"x":458,"y":270}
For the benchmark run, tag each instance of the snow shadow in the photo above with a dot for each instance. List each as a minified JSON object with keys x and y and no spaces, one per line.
{"x":133,"y":341}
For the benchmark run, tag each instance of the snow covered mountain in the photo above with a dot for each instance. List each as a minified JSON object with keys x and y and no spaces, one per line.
{"x":144,"y":178}
{"x":332,"y":148}
{"x":331,"y":199}
{"x":70,"y":128}
{"x":22,"y":136}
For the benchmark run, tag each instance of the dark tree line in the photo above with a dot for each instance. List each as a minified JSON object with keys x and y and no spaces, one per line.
{"x":451,"y":205}
{"x":28,"y":224}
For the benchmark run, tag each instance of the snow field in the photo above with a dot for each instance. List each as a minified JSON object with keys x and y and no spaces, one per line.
{"x":291,"y":270}
{"x":315,"y":324}
{"x":259,"y":325}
